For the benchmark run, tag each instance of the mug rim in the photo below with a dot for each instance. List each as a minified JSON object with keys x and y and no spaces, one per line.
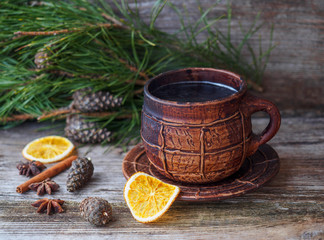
{"x":239,"y":93}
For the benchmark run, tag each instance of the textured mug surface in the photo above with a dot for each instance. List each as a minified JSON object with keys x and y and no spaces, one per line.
{"x":202,"y":142}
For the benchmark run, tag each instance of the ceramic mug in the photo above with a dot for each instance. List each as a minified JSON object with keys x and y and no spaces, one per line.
{"x":202,"y":141}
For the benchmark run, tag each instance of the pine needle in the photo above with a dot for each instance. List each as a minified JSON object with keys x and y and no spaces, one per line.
{"x":107,"y":47}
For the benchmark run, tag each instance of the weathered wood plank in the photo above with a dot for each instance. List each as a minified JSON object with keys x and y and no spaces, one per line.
{"x":294,"y":75}
{"x":291,"y":206}
{"x":199,"y":220}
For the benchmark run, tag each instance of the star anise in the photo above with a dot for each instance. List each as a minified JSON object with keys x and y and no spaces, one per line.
{"x":30,"y":168}
{"x":47,"y":186}
{"x":49,"y":205}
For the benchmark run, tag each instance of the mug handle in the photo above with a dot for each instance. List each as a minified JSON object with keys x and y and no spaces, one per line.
{"x":251,"y":104}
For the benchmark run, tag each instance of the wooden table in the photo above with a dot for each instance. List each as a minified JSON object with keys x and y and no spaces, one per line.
{"x":291,"y":206}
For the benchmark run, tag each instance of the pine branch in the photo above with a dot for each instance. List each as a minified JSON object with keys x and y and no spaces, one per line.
{"x":134,"y":69}
{"x":65,"y":31}
{"x":18,"y":117}
{"x":114,"y":20}
{"x":55,"y":113}
{"x":61,"y":113}
{"x":131,"y":68}
{"x":67,"y":74}
{"x":44,"y":33}
{"x":89,"y":45}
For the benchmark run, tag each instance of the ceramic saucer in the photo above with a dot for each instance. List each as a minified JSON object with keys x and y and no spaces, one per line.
{"x":255,"y":172}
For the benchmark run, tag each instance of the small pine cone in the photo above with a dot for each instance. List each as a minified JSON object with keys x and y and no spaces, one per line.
{"x":97,"y":211}
{"x":85,"y":100}
{"x":80,"y":130}
{"x":80,"y":173}
{"x":41,"y":59}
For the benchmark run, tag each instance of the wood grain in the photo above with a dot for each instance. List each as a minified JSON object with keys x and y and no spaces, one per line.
{"x":294,"y":76}
{"x":291,"y":206}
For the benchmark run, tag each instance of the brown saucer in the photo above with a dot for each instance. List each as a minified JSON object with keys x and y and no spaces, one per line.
{"x":255,"y":171}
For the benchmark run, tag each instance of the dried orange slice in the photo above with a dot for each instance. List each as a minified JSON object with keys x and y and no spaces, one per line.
{"x":48,"y":149}
{"x":147,"y":197}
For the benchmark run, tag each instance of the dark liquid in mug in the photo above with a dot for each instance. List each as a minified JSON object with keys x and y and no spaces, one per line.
{"x":190,"y":91}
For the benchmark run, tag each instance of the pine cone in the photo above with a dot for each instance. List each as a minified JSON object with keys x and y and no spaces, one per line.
{"x":85,"y":100}
{"x":96,"y":210}
{"x":80,"y":130}
{"x":80,"y":173}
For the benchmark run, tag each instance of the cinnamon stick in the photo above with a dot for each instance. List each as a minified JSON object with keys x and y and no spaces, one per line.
{"x":51,"y":172}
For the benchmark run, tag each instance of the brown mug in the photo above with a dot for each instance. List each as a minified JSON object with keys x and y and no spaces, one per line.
{"x":203,"y":141}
